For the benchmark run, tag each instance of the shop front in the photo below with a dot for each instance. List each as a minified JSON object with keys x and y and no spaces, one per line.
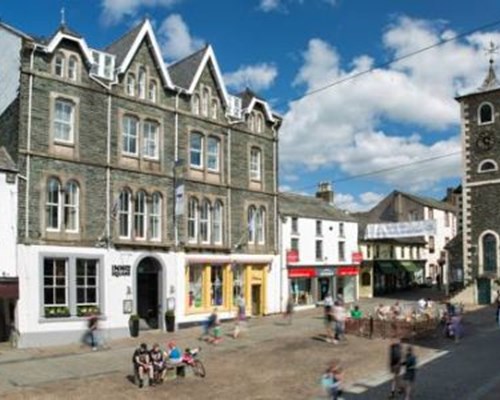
{"x":219,"y":285}
{"x":347,"y":283}
{"x":310,"y":285}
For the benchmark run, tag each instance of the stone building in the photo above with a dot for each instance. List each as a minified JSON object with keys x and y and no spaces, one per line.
{"x":319,"y":249}
{"x":147,"y":187}
{"x":480,"y":123}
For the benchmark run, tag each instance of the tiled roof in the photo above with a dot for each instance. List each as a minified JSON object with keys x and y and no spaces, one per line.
{"x":430,"y":202}
{"x":183,"y":71}
{"x":121,"y":47}
{"x":6,"y":163}
{"x":292,"y":204}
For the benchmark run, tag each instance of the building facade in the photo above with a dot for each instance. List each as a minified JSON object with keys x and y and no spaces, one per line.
{"x":147,"y":187}
{"x":480,"y":122}
{"x":318,"y":245}
{"x":9,"y":285}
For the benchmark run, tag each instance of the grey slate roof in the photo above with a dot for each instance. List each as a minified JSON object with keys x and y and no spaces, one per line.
{"x":121,"y":46}
{"x":430,"y":202}
{"x":298,"y":205}
{"x":183,"y":71}
{"x":6,"y":162}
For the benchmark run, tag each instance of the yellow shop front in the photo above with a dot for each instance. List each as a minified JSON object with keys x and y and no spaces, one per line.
{"x":219,"y":284}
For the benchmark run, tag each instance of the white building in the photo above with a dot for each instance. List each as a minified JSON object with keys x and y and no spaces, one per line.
{"x":9,"y":290}
{"x":318,"y":244}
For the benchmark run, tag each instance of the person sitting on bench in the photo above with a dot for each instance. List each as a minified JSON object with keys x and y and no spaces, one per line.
{"x":142,"y":364}
{"x":174,"y":354}
{"x":158,"y":361}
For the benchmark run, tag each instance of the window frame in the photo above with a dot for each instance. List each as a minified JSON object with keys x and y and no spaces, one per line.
{"x":218,"y":222}
{"x":215,"y":156}
{"x":146,"y":139}
{"x":75,"y":207}
{"x":251,"y":226}
{"x":71,"y":123}
{"x":341,"y":251}
{"x":255,"y":174}
{"x":155,"y":217}
{"x":193,"y":219}
{"x":59,"y":65}
{"x":130,"y":84}
{"x":127,"y":213}
{"x":479,"y":117}
{"x":196,"y":104}
{"x":127,"y":136}
{"x":51,"y":205}
{"x":481,"y":170}
{"x":140,"y":215}
{"x":73,"y":68}
{"x":319,"y":227}
{"x":142,"y":77}
{"x":199,"y":151}
{"x":205,"y":222}
{"x":214,"y":109}
{"x":86,"y":286}
{"x":152,"y":91}
{"x":205,"y":101}
{"x":54,"y":284}
{"x":260,"y":226}
{"x":318,"y":250}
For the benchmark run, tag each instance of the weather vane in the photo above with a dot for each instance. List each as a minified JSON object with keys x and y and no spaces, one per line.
{"x":493,"y":49}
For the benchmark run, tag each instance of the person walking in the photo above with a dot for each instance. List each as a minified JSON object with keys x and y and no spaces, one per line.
{"x":339,"y":316}
{"x":328,"y":317}
{"x":395,"y":358}
{"x":409,"y":376}
{"x":332,"y":381}
{"x":91,"y":335}
{"x":241,"y":316}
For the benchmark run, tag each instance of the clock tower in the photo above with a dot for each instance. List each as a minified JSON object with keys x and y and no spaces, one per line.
{"x":480,"y":134}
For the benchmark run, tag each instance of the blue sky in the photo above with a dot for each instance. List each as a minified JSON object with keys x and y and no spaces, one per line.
{"x":395,"y":115}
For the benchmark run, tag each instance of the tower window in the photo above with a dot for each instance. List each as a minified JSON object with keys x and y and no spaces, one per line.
{"x":486,"y":115}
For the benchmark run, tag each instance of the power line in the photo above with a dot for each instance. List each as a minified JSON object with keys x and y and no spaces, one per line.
{"x":394,"y":60}
{"x":388,"y":169}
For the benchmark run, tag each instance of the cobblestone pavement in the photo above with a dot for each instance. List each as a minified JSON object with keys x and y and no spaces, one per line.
{"x":271,"y":361}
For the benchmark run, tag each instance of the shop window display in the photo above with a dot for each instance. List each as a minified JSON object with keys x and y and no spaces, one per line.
{"x":195,"y":286}
{"x":216,"y":285}
{"x":238,"y":283}
{"x":301,"y":291}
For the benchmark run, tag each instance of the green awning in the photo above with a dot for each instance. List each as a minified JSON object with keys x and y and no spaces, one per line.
{"x":386,"y":267}
{"x":409,"y":266}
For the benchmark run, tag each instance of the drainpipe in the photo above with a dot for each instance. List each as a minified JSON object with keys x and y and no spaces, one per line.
{"x":176,"y":160}
{"x":229,"y":233}
{"x":277,"y":223}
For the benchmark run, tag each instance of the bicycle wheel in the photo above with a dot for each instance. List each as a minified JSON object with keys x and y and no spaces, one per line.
{"x":198,"y":368}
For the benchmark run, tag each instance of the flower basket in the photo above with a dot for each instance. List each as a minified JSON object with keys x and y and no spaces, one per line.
{"x":56,"y":312}
{"x":87,"y":310}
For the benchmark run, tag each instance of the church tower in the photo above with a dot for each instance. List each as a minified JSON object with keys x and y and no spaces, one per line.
{"x":480,"y":133}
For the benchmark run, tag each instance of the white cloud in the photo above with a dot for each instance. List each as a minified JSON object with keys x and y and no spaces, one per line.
{"x":114,"y":10}
{"x":175,"y":39}
{"x":269,"y":5}
{"x":364,"y":202}
{"x":384,"y":118}
{"x":257,"y":77}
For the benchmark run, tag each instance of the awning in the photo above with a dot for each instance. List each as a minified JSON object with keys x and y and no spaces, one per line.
{"x":386,"y":267}
{"x":301,"y":272}
{"x":346,"y":271}
{"x":9,"y":288}
{"x":408,"y":266}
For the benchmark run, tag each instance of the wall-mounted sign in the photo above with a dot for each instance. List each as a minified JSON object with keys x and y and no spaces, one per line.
{"x":347,"y":271}
{"x":325,"y":272}
{"x":120,"y":270}
{"x":292,"y":256}
{"x":357,"y":257}
{"x":301,"y":272}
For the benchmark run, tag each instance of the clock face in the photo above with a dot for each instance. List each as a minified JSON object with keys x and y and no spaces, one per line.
{"x":485,"y":141}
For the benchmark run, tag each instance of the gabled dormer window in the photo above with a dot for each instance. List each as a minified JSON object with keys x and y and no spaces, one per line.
{"x":205,"y":99}
{"x":59,"y":65}
{"x":152,"y":91}
{"x":142,"y":83}
{"x":259,"y":123}
{"x":131,"y":84}
{"x":195,"y":104}
{"x":73,"y":68}
{"x":251,"y":122}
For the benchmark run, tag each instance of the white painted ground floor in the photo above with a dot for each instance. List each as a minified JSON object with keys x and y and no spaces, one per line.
{"x":60,"y":286}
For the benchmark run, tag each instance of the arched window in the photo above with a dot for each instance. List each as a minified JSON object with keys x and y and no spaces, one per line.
{"x":196,"y":150}
{"x":251,"y":122}
{"x":73,"y":68}
{"x":489,"y":243}
{"x":71,"y":206}
{"x":215,"y":109}
{"x":152,"y":90}
{"x":486,"y":114}
{"x":366,"y":279}
{"x":59,"y":64}
{"x":217,"y":222}
{"x":195,"y":104}
{"x":53,"y":204}
{"x":193,"y":220}
{"x":142,"y":83}
{"x":155,"y":216}
{"x":131,"y":84}
{"x":205,"y":98}
{"x":124,"y":208}
{"x":260,"y":226}
{"x":259,"y":124}
{"x":487,"y":166}
{"x":252,"y":211}
{"x":140,"y":215}
{"x":205,"y":222}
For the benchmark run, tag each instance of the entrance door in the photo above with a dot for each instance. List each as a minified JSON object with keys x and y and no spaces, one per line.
{"x":483,"y":291}
{"x":256,"y":300}
{"x":324,"y":287}
{"x":149,"y":292}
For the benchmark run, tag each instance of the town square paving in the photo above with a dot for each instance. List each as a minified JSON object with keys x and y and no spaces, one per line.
{"x":273,"y":360}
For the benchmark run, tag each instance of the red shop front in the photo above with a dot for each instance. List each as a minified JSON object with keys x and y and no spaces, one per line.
{"x":302,"y":285}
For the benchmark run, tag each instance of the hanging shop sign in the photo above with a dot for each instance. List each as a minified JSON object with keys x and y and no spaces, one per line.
{"x":292,"y":256}
{"x":357,"y":257}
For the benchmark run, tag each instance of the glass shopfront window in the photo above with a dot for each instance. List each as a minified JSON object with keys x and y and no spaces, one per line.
{"x":216,"y":285}
{"x":301,"y":289}
{"x":238,"y":283}
{"x":195,"y":295}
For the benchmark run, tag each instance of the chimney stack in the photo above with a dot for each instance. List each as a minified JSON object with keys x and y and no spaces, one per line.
{"x":325,"y":192}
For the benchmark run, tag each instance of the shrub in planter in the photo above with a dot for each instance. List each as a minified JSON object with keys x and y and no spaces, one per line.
{"x":170,"y":320}
{"x":85,"y":311}
{"x":133,"y":325}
